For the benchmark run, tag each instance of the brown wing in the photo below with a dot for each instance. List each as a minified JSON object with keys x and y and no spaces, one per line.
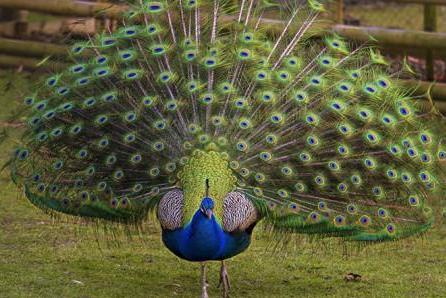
{"x":170,"y":210}
{"x":239,"y":213}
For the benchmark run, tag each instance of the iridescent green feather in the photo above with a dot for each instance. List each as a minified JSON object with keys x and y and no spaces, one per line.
{"x":320,"y":136}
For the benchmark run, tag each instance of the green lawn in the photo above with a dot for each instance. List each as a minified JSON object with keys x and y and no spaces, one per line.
{"x":40,"y":257}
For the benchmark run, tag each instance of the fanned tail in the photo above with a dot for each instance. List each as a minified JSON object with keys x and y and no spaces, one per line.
{"x":319,"y":135}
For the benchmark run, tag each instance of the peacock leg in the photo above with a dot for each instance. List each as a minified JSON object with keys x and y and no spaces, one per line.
{"x":224,"y":279}
{"x":204,"y":282}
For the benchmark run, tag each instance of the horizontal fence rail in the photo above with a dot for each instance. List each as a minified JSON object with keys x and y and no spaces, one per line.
{"x":31,"y":48}
{"x":30,"y":63}
{"x":68,"y":8}
{"x":394,"y":37}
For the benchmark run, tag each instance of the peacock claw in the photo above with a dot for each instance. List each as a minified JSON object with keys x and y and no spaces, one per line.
{"x":224,"y":280}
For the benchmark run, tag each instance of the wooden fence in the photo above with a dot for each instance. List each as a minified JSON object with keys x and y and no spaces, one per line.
{"x":14,"y":51}
{"x":67,"y":8}
{"x":387,"y":37}
{"x":430,"y":21}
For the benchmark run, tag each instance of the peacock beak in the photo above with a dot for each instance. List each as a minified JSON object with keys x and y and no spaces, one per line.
{"x":209,"y":213}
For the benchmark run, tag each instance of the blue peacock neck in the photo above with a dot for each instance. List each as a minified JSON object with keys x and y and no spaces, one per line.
{"x":203,"y":238}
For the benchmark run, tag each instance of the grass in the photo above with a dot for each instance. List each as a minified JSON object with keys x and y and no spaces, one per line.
{"x":42,"y":258}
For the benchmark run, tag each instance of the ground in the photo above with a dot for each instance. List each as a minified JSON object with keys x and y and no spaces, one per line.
{"x":40,"y":257}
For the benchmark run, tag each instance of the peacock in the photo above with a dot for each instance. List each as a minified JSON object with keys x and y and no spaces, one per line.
{"x":218,"y":114}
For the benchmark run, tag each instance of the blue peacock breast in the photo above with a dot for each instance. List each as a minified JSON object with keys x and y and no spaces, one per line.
{"x":204,"y":239}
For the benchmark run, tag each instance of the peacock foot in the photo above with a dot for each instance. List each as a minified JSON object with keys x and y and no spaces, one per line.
{"x":204,"y":292}
{"x":204,"y":282}
{"x":224,"y":280}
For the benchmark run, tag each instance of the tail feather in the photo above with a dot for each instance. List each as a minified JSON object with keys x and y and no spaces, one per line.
{"x":320,"y":133}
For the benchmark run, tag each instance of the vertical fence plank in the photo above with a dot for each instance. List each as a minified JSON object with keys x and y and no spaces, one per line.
{"x":18,"y":17}
{"x":430,"y":24}
{"x":340,"y":12}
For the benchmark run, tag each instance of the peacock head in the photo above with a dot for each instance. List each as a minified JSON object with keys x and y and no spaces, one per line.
{"x":207,"y":207}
